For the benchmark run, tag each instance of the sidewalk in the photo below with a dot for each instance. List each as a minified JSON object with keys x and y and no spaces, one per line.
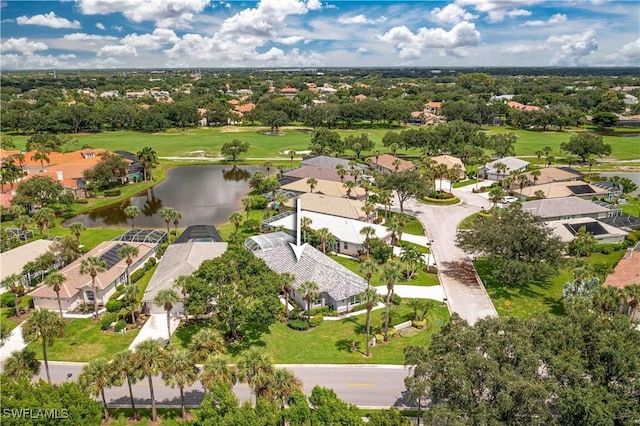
{"x":155,"y":328}
{"x":12,"y":344}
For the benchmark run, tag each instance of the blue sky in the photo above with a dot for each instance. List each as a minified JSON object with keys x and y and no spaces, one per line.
{"x":313,"y":33}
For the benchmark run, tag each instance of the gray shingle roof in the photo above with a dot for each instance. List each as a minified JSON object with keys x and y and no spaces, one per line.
{"x":332,"y":278}
{"x":326,"y":161}
{"x":555,"y":207}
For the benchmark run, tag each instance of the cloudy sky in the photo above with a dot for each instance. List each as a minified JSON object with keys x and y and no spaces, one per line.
{"x":312,"y":33}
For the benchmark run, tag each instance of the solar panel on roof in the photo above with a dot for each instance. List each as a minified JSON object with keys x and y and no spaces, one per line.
{"x":592,"y":227}
{"x":581,"y":189}
{"x":111,"y":256}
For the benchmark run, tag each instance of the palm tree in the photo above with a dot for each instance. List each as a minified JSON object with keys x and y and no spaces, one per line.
{"x":94,"y":378}
{"x":570,"y":159}
{"x":283,"y":384}
{"x":256,"y":181}
{"x":368,"y":268}
{"x":236,"y":219}
{"x":206,"y":342}
{"x":368,"y":232}
{"x":368,"y":208}
{"x":539,"y":154}
{"x":341,"y":171}
{"x":591,"y":162}
{"x":131,"y":298}
{"x":128,"y":252}
{"x":15,"y":284}
{"x":268,"y":165}
{"x":55,"y":279}
{"x":522,"y":180}
{"x":310,"y":292}
{"x":280,"y":199}
{"x":44,"y":217}
{"x":148,"y":160}
{"x":150,"y":358}
{"x":349,"y":185}
{"x":394,"y":148}
{"x":166,"y":298}
{"x":22,"y":222}
{"x":20,"y":158}
{"x":132,"y":212}
{"x":390,"y":274}
{"x":286,"y":281}
{"x":45,"y":325}
{"x":370,"y":299}
{"x":547,"y":150}
{"x":632,"y":295}
{"x":312,"y":182}
{"x":354,"y":174}
{"x":550,"y":159}
{"x":396,"y":164}
{"x":93,"y":265}
{"x":412,"y":257}
{"x":247,"y":203}
{"x":217,"y":371}
{"x":256,"y":369}
{"x":167,"y":213}
{"x":501,"y":169}
{"x":535,"y":173}
{"x":176,"y":220}
{"x":21,"y":365}
{"x":394,"y":227}
{"x":324,"y":235}
{"x":41,"y":155}
{"x":495,"y":195}
{"x":76,"y":228}
{"x":292,"y":154}
{"x":180,"y":371}
{"x":539,"y":194}
{"x":385,"y":197}
{"x":124,"y":367}
{"x":305,"y":225}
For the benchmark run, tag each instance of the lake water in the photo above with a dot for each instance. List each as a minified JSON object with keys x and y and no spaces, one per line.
{"x":205,"y":194}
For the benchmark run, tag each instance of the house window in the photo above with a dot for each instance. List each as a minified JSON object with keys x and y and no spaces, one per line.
{"x":345,"y":245}
{"x":317,"y":301}
{"x":89,"y":295}
{"x":354,"y":300}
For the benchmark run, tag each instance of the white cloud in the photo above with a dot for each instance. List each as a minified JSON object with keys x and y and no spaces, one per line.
{"x":290,"y":40}
{"x":573,"y":49}
{"x":496,"y":10}
{"x":117,"y":50}
{"x":22,"y":45}
{"x":525,"y":48}
{"x":118,"y":28}
{"x":100,"y":26}
{"x":87,"y":37}
{"x":314,"y":4}
{"x":12,"y":61}
{"x":362,"y":50}
{"x":360,"y":19}
{"x":49,"y":20}
{"x":171,"y":14}
{"x":451,"y":14}
{"x":558,"y":18}
{"x":628,"y":54}
{"x":410,"y":45}
{"x":155,"y":40}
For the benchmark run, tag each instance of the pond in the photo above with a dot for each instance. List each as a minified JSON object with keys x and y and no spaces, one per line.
{"x":205,"y":194}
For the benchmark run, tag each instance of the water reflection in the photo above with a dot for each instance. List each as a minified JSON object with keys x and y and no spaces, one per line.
{"x":205,"y":194}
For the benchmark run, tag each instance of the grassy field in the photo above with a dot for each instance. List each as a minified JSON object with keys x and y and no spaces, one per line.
{"x":329,"y":342}
{"x":412,"y":226}
{"x":534,"y":298}
{"x":421,"y":278}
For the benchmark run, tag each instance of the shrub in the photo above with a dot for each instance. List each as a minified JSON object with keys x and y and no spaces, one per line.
{"x":396,"y":299}
{"x":112,"y":193}
{"x":392,"y":332}
{"x":120,"y":287}
{"x":113,"y":305}
{"x":360,"y":307}
{"x":137,"y":275}
{"x":316,"y":320}
{"x":419,"y":323}
{"x":120,"y":325}
{"x":150,"y":263}
{"x":332,"y":314}
{"x":607,"y":250}
{"x":7,"y":300}
{"x":258,"y":202}
{"x":106,"y":320}
{"x":298,"y":324}
{"x":379,"y":338}
{"x":380,"y":251}
{"x":324,"y":310}
{"x":295,"y":312}
{"x":162,"y":249}
{"x":80,"y":201}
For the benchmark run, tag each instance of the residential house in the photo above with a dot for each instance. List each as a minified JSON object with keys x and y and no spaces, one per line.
{"x":501,"y":98}
{"x":518,"y":105}
{"x":318,"y":173}
{"x":328,"y":162}
{"x":451,"y":162}
{"x":289,"y":92}
{"x":433,"y":108}
{"x":207,"y":233}
{"x":110,"y":94}
{"x":489,"y":170}
{"x":360,"y":98}
{"x":630,"y":100}
{"x":575,"y":188}
{"x":553,"y":174}
{"x":349,"y":240}
{"x":626,"y":273}
{"x":602,"y":232}
{"x":340,"y":207}
{"x":12,"y":261}
{"x":130,"y":94}
{"x":78,"y":288}
{"x":386,"y":163}
{"x":569,"y":208}
{"x":326,"y":187}
{"x":339,"y":288}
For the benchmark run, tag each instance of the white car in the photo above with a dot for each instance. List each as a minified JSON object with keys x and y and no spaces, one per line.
{"x":509,"y":199}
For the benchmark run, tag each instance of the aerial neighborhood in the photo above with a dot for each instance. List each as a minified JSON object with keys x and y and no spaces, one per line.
{"x":269,"y":244}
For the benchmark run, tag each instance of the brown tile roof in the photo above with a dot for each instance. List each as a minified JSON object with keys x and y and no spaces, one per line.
{"x":386,"y":161}
{"x":245,"y":107}
{"x":560,"y":189}
{"x":434,"y":105}
{"x":318,"y":173}
{"x":341,"y":207}
{"x":326,"y":187}
{"x":552,"y":174}
{"x":627,"y":271}
{"x":518,"y":105}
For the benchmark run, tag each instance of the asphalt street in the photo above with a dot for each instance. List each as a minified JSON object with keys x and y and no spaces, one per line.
{"x":367,"y":386}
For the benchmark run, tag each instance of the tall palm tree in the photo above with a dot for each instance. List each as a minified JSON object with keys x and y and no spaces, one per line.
{"x":256,"y":369}
{"x":390,"y":274}
{"x":180,"y":371}
{"x":93,"y":266}
{"x":412,"y":257}
{"x":286,"y":282}
{"x":522,"y":181}
{"x":539,"y":154}
{"x":129,"y":253}
{"x":501,"y":169}
{"x":94,"y":378}
{"x":42,"y":155}
{"x":394,"y":227}
{"x":217,"y":371}
{"x":591,"y":162}
{"x":148,"y":160}
{"x":44,"y":325}
{"x":76,"y":229}
{"x":236,"y":219}
{"x":550,"y":160}
{"x":368,"y":232}
{"x":166,"y":298}
{"x":150,"y":358}
{"x":21,"y":365}
{"x":177,"y":216}
{"x":15,"y":284}
{"x":535,"y":173}
{"x":370,"y":299}
{"x":368,"y":208}
{"x":495,"y":195}
{"x":205,"y":343}
{"x":305,"y":225}
{"x":324,"y":235}
{"x":124,"y":367}
{"x":130,"y":297}
{"x":44,"y":217}
{"x":21,"y":160}
{"x":368,"y":268}
{"x":132,"y":212}
{"x":310,"y":292}
{"x":167,"y":214}
{"x":247,"y":203}
{"x":23,"y":222}
{"x":341,"y":171}
{"x":280,"y":199}
{"x":55,"y":279}
{"x":268,"y":165}
{"x":385,"y":197}
{"x":312,"y":182}
{"x":292,"y":154}
{"x":283,"y":384}
{"x":632,"y":295}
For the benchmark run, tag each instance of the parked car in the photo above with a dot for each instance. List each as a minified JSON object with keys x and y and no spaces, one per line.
{"x":509,"y":199}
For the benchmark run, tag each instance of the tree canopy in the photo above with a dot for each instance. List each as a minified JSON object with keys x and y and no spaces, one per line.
{"x":585,"y":145}
{"x":234,"y":148}
{"x":406,"y":184}
{"x":39,"y":190}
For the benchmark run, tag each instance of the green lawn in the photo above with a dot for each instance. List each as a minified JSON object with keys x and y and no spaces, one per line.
{"x":534,"y":298}
{"x":329,"y":343}
{"x":466,"y":182}
{"x":633,"y":208}
{"x":84,"y":341}
{"x":421,"y":278}
{"x":412,"y":225}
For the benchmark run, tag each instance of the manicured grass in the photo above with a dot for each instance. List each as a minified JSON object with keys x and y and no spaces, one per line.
{"x":421,"y":278}
{"x":438,"y":202}
{"x":167,"y":417}
{"x":5,"y":313}
{"x":412,"y":225}
{"x":538,"y":297}
{"x":464,"y":183}
{"x":329,"y":342}
{"x":633,"y":208}
{"x":84,"y":341}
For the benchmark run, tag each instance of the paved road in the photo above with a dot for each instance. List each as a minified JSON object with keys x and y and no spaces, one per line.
{"x":375,"y":386}
{"x":465,"y":295}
